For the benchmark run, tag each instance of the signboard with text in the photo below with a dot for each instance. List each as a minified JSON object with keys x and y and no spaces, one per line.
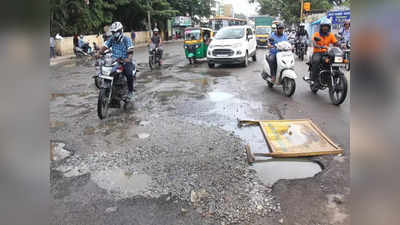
{"x":184,"y":21}
{"x":338,"y":17}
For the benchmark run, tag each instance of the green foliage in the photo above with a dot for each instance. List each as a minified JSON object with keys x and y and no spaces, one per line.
{"x":74,"y":16}
{"x":290,"y":9}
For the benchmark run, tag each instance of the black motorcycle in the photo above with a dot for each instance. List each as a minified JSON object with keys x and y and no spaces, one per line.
{"x":114,"y":89}
{"x":103,"y":66}
{"x":154,"y":56}
{"x":301,"y":47}
{"x":330,"y":75}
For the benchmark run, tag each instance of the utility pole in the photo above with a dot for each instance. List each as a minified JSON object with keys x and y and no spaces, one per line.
{"x":148,"y":18}
{"x":301,"y":12}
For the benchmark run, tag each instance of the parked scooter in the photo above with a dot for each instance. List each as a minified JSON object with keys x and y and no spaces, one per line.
{"x":114,"y":89}
{"x":285,"y":73}
{"x":86,"y":50}
{"x":330,"y":75}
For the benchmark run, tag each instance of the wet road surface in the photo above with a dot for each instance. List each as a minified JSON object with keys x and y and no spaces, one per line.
{"x":177,"y":155}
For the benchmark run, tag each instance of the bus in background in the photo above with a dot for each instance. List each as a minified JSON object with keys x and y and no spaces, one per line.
{"x":220,"y":21}
{"x":263,"y":29}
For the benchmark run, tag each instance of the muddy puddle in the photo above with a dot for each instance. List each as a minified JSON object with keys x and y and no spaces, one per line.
{"x":217,"y":96}
{"x":272,"y":170}
{"x":123,"y":183}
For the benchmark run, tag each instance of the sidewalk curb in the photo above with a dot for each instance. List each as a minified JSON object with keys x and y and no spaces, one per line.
{"x":64,"y":58}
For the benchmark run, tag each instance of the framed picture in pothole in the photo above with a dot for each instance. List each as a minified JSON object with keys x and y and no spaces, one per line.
{"x":295,"y":138}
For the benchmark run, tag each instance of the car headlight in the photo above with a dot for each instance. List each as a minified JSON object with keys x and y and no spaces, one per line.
{"x":209,"y":53}
{"x":239,"y":52}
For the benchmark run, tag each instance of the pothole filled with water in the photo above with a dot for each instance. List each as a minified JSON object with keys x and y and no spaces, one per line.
{"x":272,"y":170}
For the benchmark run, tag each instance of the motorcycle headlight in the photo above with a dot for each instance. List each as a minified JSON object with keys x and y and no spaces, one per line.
{"x":338,"y":59}
{"x":238,"y":52}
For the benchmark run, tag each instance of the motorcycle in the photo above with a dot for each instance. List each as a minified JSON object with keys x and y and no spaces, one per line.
{"x":285,"y":74}
{"x":346,"y":48}
{"x":103,"y":67}
{"x":154,"y":56}
{"x":86,"y":50}
{"x":114,"y":89}
{"x":301,"y":47}
{"x":330,"y":75}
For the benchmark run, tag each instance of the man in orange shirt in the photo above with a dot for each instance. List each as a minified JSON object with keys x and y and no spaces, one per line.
{"x":321,"y":46}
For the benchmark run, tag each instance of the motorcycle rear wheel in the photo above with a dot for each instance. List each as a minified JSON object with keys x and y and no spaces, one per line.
{"x":289,"y":86}
{"x":102,"y":104}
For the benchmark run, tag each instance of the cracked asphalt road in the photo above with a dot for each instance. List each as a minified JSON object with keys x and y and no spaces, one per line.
{"x":177,"y":156}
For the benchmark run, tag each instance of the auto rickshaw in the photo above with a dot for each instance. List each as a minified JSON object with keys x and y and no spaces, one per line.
{"x":196,"y":42}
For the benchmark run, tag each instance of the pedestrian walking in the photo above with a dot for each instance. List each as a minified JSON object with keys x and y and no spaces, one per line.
{"x":52,"y":47}
{"x":133,"y":37}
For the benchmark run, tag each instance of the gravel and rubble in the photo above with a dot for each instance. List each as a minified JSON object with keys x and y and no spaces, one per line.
{"x":213,"y":178}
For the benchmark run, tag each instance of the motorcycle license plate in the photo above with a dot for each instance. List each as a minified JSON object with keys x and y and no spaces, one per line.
{"x":338,"y":64}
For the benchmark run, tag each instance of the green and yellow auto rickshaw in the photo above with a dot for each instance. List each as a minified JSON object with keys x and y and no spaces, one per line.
{"x":196,"y":42}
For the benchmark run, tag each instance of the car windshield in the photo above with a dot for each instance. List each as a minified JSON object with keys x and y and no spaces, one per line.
{"x":230,"y":33}
{"x":263,"y":30}
{"x":191,"y":35}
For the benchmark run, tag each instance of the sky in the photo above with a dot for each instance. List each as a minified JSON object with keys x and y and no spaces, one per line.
{"x":242,"y":6}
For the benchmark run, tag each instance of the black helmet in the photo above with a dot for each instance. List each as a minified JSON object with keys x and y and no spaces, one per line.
{"x":280,"y":26}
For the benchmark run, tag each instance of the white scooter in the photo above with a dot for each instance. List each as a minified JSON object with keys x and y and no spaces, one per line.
{"x":285,"y":73}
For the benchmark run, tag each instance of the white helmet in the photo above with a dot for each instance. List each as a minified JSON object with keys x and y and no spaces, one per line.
{"x":117,"y":30}
{"x":155,"y":29}
{"x":326,"y":22}
{"x":302,"y":25}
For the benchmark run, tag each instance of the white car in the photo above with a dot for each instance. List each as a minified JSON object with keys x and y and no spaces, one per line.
{"x":232,"y":45}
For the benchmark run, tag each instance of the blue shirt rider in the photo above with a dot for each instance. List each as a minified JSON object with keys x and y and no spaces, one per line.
{"x":122,"y":48}
{"x":276,"y":37}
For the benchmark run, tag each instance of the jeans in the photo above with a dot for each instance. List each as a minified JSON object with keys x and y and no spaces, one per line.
{"x":315,"y":61}
{"x":52,"y":52}
{"x":272,"y":59}
{"x":128,"y":69}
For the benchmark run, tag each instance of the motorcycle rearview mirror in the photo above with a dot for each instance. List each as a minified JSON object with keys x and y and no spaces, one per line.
{"x":317,"y":39}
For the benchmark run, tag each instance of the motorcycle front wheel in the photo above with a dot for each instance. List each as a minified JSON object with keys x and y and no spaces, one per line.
{"x":338,"y":90}
{"x":102,"y":104}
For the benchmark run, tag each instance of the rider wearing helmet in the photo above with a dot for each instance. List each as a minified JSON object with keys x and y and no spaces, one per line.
{"x":345,"y":32}
{"x":122,"y":48}
{"x":276,"y":37}
{"x":327,"y":38}
{"x":302,"y":32}
{"x":273,"y":28}
{"x":156,"y":39}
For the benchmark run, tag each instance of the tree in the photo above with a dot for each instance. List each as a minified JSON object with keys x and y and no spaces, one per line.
{"x":240,"y":16}
{"x":289,"y":10}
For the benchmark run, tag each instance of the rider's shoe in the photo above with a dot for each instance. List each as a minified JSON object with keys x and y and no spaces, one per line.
{"x":130,"y":95}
